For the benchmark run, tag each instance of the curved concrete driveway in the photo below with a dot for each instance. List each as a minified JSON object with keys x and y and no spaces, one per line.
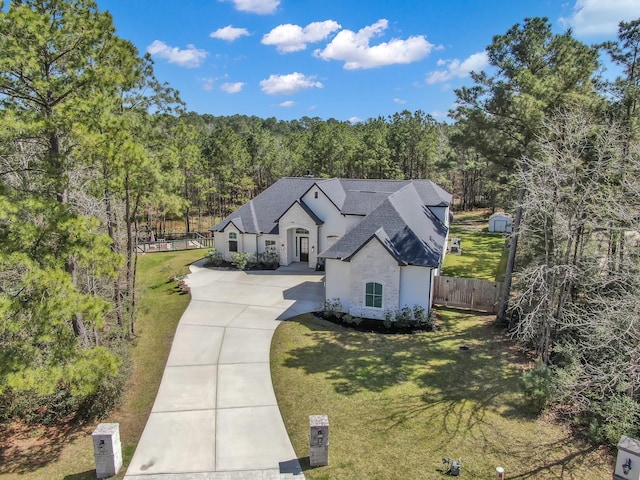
{"x":215,"y":416}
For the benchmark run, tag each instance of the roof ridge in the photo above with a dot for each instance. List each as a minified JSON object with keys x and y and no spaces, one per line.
{"x":400,"y":190}
{"x":254,"y":218}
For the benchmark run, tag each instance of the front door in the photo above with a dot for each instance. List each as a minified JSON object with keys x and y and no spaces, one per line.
{"x":304,"y":249}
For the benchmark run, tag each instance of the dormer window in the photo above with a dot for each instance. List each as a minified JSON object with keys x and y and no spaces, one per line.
{"x":315,"y":194}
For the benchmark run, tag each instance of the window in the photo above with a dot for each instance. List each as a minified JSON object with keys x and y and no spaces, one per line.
{"x":233,"y":242}
{"x":302,"y":231}
{"x":373,"y":296}
{"x":270,"y":245}
{"x":315,"y":194}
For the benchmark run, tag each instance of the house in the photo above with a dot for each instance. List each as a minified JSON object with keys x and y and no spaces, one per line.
{"x":382,"y":241}
{"x":500,"y":222}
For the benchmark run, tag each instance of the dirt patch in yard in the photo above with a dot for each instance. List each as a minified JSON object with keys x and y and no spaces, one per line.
{"x":25,"y":448}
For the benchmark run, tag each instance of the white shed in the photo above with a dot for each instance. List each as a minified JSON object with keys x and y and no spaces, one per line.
{"x":500,"y":222}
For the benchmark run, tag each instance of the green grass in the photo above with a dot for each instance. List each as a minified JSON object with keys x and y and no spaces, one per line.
{"x":161,"y":307}
{"x":483,"y":255}
{"x":397,"y":404}
{"x":472,"y":216}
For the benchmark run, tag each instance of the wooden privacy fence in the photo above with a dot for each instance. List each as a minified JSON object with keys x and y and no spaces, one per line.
{"x":470,"y":293}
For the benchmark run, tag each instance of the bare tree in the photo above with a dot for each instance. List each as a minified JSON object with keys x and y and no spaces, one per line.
{"x":576,"y":301}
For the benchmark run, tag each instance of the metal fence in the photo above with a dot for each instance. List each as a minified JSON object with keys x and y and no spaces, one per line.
{"x":175,"y":242}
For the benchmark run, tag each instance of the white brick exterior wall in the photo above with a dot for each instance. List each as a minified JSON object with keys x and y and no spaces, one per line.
{"x":334,"y":223}
{"x":415,"y":286}
{"x":221,"y":240}
{"x":338,"y":276}
{"x":373,"y":263}
{"x":401,"y":285}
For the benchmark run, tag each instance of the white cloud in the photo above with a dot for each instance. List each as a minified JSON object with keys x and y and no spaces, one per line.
{"x":191,"y":57}
{"x":261,"y":7}
{"x":438,"y":114}
{"x":354,"y":49}
{"x":208,"y":83}
{"x":232,"y":87}
{"x":354,"y":120}
{"x":229,"y":33}
{"x":293,"y":38}
{"x":399,"y":101}
{"x":600,"y":17}
{"x":288,"y":84}
{"x":287,"y":104}
{"x":457,"y":69}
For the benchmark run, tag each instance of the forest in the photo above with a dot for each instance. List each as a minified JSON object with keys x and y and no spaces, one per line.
{"x":95,"y":151}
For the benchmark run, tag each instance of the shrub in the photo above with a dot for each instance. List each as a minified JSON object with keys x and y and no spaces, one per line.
{"x":537,"y":385}
{"x":409,"y":318}
{"x":213,"y":257}
{"x":419,"y":316}
{"x":252,"y":262}
{"x":240,"y":260}
{"x":404,"y":318}
{"x":351,"y":319}
{"x":268,"y":259}
{"x":110,"y":392}
{"x":622,"y":417}
{"x":607,"y":421}
{"x":333,"y":309}
{"x":431,"y":321}
{"x":389,"y":319}
{"x":34,"y":408}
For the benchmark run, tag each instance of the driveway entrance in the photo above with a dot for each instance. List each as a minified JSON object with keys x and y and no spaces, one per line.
{"x":215,"y":414}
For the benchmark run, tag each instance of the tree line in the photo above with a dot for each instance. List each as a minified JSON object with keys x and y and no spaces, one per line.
{"x":95,"y":151}
{"x":240,"y":156}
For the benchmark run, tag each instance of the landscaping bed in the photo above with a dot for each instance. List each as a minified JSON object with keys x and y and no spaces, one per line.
{"x":225,"y":265}
{"x":242,"y":261}
{"x":381,"y":326}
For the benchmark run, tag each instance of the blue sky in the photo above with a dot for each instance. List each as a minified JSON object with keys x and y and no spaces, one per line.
{"x":343,"y":59}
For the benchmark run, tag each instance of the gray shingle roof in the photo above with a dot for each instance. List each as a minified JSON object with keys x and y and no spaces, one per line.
{"x":308,"y":211}
{"x":362,"y":203}
{"x":267,"y":207}
{"x":409,"y":230}
{"x":333,"y":189}
{"x":432,"y":194}
{"x":395,"y":212}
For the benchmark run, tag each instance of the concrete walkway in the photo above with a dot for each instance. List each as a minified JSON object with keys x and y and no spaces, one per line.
{"x":215,"y":416}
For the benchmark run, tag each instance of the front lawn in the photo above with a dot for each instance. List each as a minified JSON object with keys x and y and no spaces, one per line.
{"x":399,"y":403}
{"x":66,"y":452}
